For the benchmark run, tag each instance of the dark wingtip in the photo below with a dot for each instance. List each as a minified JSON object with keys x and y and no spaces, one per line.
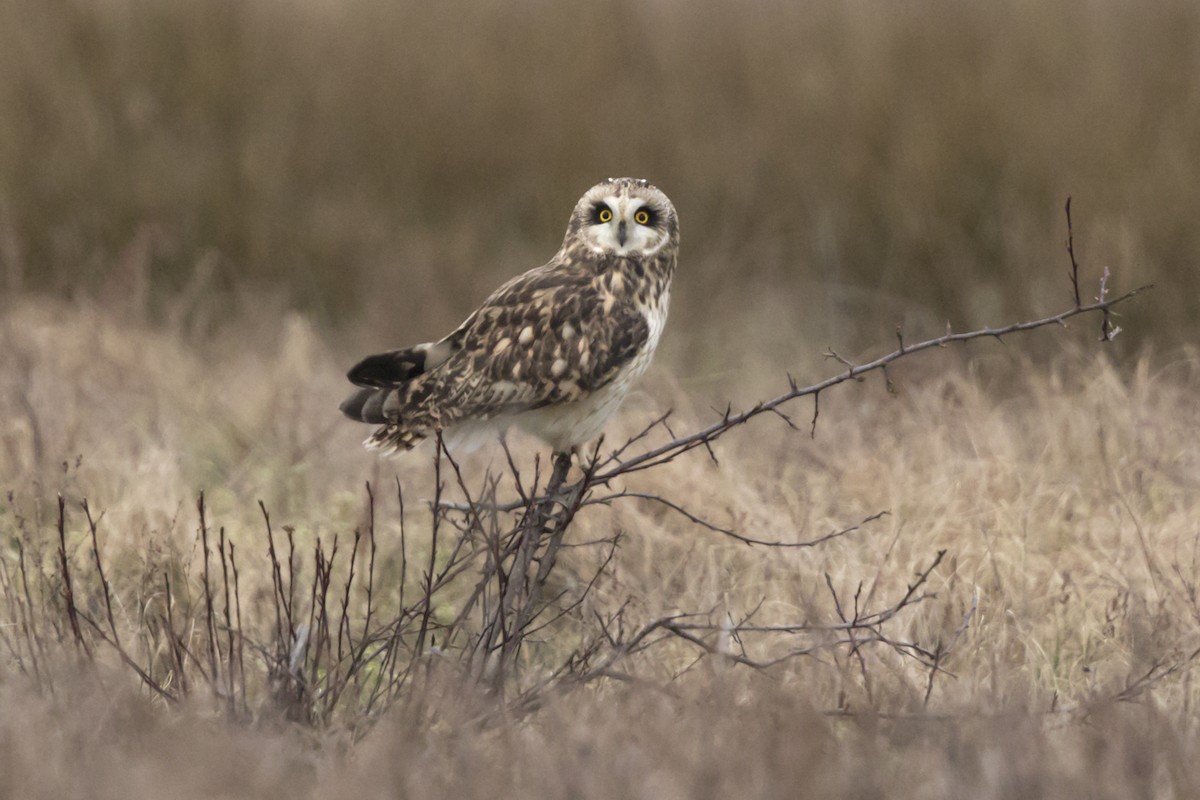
{"x":387,"y":370}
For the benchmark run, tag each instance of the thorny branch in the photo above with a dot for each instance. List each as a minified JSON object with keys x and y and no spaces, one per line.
{"x":705,"y":436}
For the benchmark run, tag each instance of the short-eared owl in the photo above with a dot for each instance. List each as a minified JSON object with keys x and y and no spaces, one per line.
{"x":554,"y":350}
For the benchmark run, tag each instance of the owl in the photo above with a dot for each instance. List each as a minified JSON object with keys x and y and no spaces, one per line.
{"x":553,"y":351}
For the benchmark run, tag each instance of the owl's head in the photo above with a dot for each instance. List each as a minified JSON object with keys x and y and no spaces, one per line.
{"x":624,"y":217}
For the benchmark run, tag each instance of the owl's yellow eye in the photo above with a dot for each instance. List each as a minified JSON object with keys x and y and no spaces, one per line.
{"x":641,"y":217}
{"x":605,"y":215}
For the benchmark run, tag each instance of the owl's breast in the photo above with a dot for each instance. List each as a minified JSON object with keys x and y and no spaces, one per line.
{"x":655,"y":312}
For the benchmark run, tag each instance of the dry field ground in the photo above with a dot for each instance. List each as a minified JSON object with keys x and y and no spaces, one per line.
{"x":208,"y":210}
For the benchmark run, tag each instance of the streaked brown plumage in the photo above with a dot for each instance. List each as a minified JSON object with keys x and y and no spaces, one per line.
{"x":554,"y":350}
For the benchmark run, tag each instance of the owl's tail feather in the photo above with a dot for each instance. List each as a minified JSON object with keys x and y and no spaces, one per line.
{"x":368,"y":405}
{"x":392,"y":387}
{"x":380,"y":407}
{"x":394,"y":439}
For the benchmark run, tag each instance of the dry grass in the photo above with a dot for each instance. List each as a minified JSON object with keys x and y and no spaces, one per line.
{"x":203,"y":214}
{"x":1064,"y":496}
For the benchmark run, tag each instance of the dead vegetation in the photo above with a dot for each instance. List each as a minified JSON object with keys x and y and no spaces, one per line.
{"x":974,"y":576}
{"x":966,"y":572}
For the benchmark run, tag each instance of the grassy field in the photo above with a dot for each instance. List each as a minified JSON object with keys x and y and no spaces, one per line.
{"x":208,"y":210}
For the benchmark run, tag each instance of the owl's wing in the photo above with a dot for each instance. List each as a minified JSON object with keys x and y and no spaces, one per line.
{"x":549,"y":336}
{"x":552,"y":335}
{"x":397,"y":367}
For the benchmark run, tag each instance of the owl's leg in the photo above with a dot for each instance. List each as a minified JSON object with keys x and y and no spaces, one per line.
{"x":573,"y":454}
{"x":562,"y":466}
{"x":587,"y":457}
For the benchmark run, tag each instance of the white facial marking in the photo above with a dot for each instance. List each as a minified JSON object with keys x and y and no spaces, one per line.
{"x":604,"y":237}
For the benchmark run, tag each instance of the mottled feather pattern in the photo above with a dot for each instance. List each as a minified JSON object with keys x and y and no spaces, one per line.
{"x":564,"y":340}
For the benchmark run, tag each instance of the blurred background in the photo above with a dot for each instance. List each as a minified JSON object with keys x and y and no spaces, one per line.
{"x":210,"y":209}
{"x":381,"y":165}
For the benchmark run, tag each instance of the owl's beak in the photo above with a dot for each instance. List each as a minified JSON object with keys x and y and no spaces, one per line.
{"x":621,"y":233}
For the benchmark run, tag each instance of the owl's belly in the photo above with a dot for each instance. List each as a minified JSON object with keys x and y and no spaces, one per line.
{"x":567,"y":425}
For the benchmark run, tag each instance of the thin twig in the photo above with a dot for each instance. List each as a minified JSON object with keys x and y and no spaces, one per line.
{"x":1074,"y":272}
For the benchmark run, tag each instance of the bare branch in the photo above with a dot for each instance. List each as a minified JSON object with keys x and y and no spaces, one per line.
{"x":608,"y":499}
{"x":1074,"y":273}
{"x":705,"y":436}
